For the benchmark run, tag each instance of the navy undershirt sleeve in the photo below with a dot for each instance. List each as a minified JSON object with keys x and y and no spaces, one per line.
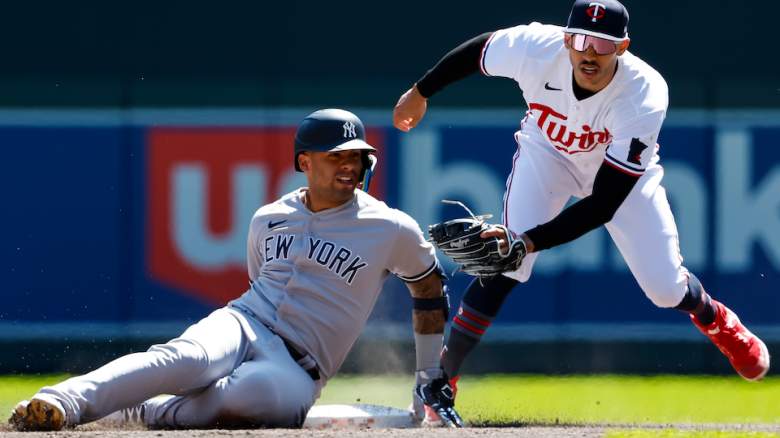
{"x":610,"y":189}
{"x":459,"y":63}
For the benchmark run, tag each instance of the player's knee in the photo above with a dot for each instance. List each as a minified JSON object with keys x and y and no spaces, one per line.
{"x":666,"y":291}
{"x":186,"y":355}
{"x":269,"y":401}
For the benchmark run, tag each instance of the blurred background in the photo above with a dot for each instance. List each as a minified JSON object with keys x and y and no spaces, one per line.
{"x":139,"y":137}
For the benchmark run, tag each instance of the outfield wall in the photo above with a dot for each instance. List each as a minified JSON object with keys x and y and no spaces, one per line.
{"x":127,"y":225}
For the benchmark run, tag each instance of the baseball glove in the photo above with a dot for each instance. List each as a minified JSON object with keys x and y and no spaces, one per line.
{"x":460,"y":240}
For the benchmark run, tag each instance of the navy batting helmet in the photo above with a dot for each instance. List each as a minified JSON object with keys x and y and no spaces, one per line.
{"x":330,"y":130}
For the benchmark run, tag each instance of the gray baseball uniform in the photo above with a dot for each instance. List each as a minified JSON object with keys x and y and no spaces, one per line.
{"x":316,"y":276}
{"x":315,"y":279}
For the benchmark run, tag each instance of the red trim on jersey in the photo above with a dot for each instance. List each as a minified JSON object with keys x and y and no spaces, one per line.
{"x":474,"y":317}
{"x":467,"y":326}
{"x":482,"y":56}
{"x":622,"y":169}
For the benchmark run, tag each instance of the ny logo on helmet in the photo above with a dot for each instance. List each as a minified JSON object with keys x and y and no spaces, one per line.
{"x":349,"y":130}
{"x":596,"y":11}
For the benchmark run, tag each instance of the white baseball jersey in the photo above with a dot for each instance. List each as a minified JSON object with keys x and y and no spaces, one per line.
{"x":620,"y":123}
{"x":316,"y":276}
{"x":563,"y":142}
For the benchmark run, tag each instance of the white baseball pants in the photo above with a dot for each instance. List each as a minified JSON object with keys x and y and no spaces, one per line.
{"x":643,"y":228}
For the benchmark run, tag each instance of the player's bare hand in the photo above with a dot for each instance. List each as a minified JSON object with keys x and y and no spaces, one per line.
{"x":498,"y":232}
{"x":504,"y":239}
{"x":409,"y":110}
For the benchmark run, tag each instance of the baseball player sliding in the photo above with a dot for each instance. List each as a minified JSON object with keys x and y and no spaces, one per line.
{"x":594,"y":114}
{"x":317,"y":259}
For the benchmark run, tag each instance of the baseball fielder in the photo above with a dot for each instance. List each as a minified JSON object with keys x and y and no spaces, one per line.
{"x":594,"y":114}
{"x":317,"y":260}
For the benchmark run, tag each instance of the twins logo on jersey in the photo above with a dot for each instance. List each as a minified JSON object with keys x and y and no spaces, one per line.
{"x":635,"y":151}
{"x":561,"y":138}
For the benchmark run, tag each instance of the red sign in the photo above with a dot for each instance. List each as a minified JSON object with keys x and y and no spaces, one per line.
{"x":204,"y":186}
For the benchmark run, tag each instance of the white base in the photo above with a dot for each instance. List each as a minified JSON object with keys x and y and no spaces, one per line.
{"x":357,"y":416}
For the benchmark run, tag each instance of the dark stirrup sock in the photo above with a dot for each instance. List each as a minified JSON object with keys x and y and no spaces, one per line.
{"x":697,"y":302}
{"x":480,"y":305}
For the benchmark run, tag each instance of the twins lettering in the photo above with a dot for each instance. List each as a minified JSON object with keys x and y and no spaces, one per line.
{"x":564,"y":140}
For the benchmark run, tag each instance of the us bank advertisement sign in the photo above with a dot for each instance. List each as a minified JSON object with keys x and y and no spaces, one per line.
{"x":143,"y":215}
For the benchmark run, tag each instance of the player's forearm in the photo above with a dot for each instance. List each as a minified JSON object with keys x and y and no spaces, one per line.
{"x":428,"y":319}
{"x":428,"y":292}
{"x":573,"y":222}
{"x":459,"y":63}
{"x":428,"y":322}
{"x":610,"y":189}
{"x":428,"y":338}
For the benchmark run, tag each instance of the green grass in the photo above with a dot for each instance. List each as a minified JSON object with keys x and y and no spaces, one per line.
{"x":515,"y":399}
{"x":16,"y":388}
{"x":685,"y":434}
{"x":512,"y":399}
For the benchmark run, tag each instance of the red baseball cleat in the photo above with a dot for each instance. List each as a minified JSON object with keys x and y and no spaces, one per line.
{"x":747,"y":354}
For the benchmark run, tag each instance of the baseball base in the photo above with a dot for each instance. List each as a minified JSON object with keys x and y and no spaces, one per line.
{"x":359,"y":416}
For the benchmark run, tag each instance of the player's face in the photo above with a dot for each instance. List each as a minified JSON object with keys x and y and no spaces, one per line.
{"x":332,"y":176}
{"x":593,"y":60}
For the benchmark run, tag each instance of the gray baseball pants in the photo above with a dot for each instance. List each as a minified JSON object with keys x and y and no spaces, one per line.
{"x":227,"y":370}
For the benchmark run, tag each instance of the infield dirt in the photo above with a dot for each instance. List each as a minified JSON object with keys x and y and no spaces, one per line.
{"x":474,"y":432}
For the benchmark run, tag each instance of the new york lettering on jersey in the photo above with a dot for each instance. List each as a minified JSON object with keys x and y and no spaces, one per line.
{"x":277,"y":246}
{"x":335,"y":258}
{"x":338,"y":259}
{"x":316,"y":276}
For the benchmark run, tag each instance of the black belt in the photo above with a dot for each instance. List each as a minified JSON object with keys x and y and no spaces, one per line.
{"x":304,"y":360}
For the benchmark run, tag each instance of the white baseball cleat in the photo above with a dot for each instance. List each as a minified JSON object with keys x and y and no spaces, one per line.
{"x":37,"y":415}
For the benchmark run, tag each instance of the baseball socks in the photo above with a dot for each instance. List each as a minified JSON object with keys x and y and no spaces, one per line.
{"x":480,"y":304}
{"x":697,"y":302}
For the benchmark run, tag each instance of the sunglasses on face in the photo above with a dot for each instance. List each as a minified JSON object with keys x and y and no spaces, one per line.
{"x":601,"y":46}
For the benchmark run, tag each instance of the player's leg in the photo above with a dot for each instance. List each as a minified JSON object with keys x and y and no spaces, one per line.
{"x":205,"y":352}
{"x":537,"y":189}
{"x":270,"y":389}
{"x":644,"y":231}
{"x":481,"y":303}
